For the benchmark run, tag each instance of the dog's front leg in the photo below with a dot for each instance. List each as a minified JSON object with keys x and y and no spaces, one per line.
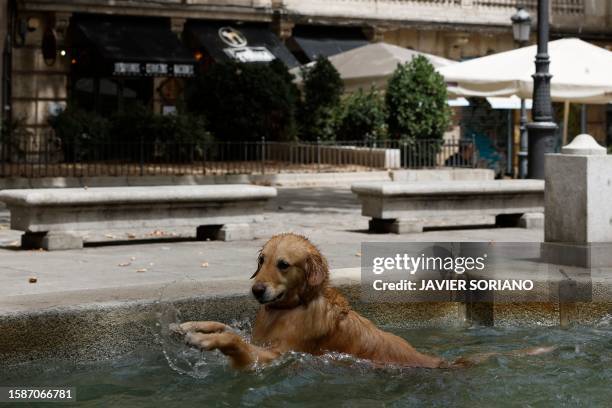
{"x":203,"y":327}
{"x":241,"y":353}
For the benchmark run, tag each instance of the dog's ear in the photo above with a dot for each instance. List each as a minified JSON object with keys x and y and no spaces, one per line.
{"x":316,"y":269}
{"x":259,"y":263}
{"x":258,"y":269}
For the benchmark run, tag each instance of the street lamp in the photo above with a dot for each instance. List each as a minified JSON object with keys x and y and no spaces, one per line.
{"x":542,"y":130}
{"x":521,"y":31}
{"x":521,"y":25}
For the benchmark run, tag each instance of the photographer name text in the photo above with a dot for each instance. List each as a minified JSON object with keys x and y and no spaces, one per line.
{"x":455,"y":285}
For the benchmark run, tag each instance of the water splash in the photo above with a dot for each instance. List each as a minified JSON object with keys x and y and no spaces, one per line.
{"x":188,"y":361}
{"x":181,"y":358}
{"x":605,"y":322}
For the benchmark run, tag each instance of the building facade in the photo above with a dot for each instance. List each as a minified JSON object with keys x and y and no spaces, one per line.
{"x":59,"y":49}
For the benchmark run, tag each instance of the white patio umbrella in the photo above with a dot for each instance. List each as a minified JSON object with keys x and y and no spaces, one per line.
{"x":372,"y":65}
{"x":581,"y":73}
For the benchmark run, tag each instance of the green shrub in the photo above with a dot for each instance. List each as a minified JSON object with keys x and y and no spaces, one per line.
{"x":319,"y":113}
{"x":245,"y":102}
{"x":280,"y":69}
{"x":133,"y":124}
{"x":416,"y":101}
{"x":362,"y":117}
{"x":8,"y":128}
{"x":134,"y":135}
{"x":182,"y":128}
{"x":8,"y":131}
{"x":13,"y":139}
{"x":80,"y":133}
{"x":294,"y":98}
{"x":181,"y":136}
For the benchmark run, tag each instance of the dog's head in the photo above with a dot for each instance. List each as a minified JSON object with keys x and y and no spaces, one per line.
{"x":290,"y":271}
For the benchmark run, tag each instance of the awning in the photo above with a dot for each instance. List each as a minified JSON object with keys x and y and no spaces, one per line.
{"x":244,"y":43}
{"x":327,"y":41}
{"x":129,"y":47}
{"x":326,"y":47}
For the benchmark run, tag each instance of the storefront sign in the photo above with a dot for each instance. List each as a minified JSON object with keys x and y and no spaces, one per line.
{"x":126,"y":68}
{"x":238,"y":47}
{"x":153,"y":69}
{"x":183,"y":70}
{"x":156,"y":69}
{"x":250,"y":54}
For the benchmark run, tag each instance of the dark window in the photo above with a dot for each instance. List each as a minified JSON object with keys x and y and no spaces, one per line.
{"x":109,"y":95}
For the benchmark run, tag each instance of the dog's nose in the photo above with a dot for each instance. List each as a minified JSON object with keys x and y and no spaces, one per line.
{"x":258,"y":290}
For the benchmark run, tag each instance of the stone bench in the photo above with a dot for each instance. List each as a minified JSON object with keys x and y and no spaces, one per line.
{"x":65,"y":218}
{"x":402,"y":207}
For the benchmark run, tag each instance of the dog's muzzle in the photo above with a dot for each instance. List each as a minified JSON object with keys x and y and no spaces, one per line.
{"x":262,"y":293}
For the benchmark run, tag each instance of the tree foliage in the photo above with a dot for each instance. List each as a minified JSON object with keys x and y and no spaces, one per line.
{"x":139,"y":122}
{"x":322,"y":91}
{"x":416,"y":102}
{"x":245,"y":101}
{"x":128,"y":135}
{"x":362,"y":117}
{"x":80,"y":132}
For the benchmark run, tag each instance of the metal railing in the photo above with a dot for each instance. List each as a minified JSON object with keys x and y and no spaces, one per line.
{"x":52,"y":158}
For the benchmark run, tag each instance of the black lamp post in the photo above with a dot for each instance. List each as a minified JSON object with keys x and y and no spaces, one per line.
{"x":521,"y":31}
{"x":542,"y":130}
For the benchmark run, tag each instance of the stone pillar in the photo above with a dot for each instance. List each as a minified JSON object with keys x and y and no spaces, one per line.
{"x":281,"y":26}
{"x":578,"y":205}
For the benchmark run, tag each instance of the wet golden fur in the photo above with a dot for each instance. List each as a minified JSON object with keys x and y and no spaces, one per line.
{"x":310,"y":316}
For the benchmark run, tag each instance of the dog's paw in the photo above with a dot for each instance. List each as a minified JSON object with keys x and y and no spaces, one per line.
{"x":212,"y":341}
{"x":203,"y":327}
{"x":200,"y":340}
{"x":176,"y":329}
{"x":536,"y":351}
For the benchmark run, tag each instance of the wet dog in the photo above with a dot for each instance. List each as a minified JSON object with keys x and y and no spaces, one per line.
{"x":301,"y":312}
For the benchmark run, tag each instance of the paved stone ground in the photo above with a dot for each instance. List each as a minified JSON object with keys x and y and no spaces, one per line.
{"x":329,"y":216}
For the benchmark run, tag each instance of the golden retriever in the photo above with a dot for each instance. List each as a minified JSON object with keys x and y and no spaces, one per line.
{"x":301,"y":312}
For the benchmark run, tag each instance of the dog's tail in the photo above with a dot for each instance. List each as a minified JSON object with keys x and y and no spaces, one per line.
{"x":475,"y":359}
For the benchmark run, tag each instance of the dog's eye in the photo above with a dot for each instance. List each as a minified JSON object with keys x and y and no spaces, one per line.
{"x":282,"y":264}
